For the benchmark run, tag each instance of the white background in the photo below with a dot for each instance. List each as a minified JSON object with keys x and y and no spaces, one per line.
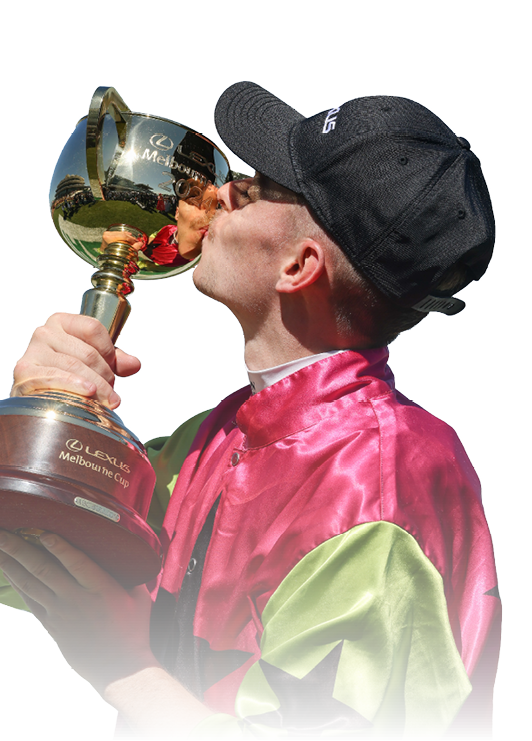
{"x":464,"y":60}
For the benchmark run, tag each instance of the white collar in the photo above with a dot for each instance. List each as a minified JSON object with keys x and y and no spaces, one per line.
{"x":261,"y":379}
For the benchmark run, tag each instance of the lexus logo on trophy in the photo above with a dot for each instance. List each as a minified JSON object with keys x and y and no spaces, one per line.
{"x":160,"y":141}
{"x":131,"y":195}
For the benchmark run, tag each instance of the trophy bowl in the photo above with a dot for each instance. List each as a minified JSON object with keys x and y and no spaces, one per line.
{"x":132,"y":194}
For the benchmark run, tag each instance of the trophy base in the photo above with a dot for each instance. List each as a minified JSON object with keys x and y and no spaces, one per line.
{"x":68,"y":466}
{"x":127,"y":549}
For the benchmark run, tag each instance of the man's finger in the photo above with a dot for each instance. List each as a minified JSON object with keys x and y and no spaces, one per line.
{"x":87,"y":573}
{"x":53,"y":379}
{"x":126,"y":365}
{"x":88,"y":329}
{"x":38,"y":610}
{"x":55,"y":567}
{"x":26,"y":570}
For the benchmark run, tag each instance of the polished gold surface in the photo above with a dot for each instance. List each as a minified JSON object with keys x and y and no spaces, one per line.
{"x":146,"y":175}
{"x":112,"y":283}
{"x":74,"y":409}
{"x":105,"y":100}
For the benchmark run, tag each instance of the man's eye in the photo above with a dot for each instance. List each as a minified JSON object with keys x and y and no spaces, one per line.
{"x":243,"y":196}
{"x":253,"y":193}
{"x":247,"y":192}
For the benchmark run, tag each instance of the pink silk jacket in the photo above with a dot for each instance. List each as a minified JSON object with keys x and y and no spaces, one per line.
{"x":326,"y":449}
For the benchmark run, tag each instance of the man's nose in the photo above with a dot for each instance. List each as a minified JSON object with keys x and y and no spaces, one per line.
{"x":224,"y":197}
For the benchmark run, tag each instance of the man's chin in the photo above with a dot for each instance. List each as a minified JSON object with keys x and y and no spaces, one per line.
{"x":207,"y":286}
{"x":202,"y":283}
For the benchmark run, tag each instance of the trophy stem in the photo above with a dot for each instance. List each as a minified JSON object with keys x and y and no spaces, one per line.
{"x":112,"y":283}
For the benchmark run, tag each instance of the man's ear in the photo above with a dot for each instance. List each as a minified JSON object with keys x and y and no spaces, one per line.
{"x":303,"y":265}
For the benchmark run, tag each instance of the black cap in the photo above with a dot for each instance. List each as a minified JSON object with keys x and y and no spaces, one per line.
{"x":402,"y":196}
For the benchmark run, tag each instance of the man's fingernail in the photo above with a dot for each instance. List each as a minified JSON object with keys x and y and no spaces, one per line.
{"x":114,"y":399}
{"x":47,"y":540}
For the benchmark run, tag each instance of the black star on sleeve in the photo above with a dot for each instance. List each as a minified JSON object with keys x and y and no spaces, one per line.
{"x":307,"y":706}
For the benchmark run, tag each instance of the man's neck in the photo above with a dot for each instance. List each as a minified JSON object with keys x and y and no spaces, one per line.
{"x":260,"y":355}
{"x":277,"y":338}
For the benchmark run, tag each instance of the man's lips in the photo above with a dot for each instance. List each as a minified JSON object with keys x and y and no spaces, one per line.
{"x":208,"y":230}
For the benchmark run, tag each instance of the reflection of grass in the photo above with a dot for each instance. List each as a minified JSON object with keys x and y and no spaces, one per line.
{"x":55,"y":217}
{"x":104,"y":213}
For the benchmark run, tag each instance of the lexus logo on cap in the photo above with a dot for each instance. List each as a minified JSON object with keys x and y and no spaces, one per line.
{"x":74,"y":445}
{"x":161,"y":142}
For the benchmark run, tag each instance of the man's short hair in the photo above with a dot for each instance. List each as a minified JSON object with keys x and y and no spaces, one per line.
{"x":362,"y":309}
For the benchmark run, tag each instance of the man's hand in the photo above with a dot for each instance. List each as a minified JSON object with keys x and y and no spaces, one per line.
{"x":122,"y":236}
{"x":73,"y":353}
{"x":101,"y":628}
{"x":103,"y":632}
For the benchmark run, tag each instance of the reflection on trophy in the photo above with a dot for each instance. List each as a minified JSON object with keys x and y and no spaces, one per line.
{"x":131,"y":194}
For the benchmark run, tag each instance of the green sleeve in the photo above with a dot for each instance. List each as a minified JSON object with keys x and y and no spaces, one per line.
{"x":357,"y":641}
{"x":8,"y":596}
{"x":166,"y":456}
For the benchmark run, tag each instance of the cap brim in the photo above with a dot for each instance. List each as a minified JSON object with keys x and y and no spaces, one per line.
{"x":256,"y":126}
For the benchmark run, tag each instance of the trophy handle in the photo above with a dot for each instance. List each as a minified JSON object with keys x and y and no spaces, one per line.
{"x":105,"y":100}
{"x":106,"y":301}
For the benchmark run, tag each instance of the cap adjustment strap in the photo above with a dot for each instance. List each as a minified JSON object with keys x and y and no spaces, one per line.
{"x":446,"y":305}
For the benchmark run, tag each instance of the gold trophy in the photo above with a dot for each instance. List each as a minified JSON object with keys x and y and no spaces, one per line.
{"x":67,"y":464}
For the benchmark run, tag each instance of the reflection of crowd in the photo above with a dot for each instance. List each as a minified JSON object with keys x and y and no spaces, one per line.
{"x":150,"y":202}
{"x":71,"y":204}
